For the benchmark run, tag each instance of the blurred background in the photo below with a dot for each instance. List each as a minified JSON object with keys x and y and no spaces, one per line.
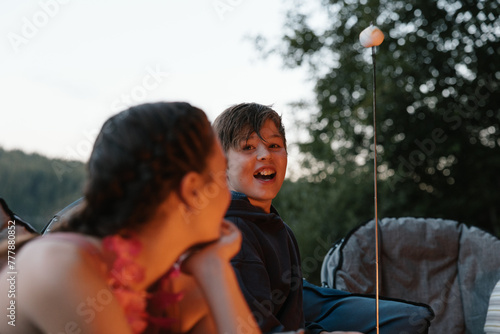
{"x":70,"y":65}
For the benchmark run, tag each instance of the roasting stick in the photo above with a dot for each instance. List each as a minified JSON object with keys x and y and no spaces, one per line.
{"x":370,"y":38}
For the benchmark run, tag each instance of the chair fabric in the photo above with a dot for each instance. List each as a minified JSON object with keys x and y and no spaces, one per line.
{"x":445,"y":264}
{"x":492,"y":324}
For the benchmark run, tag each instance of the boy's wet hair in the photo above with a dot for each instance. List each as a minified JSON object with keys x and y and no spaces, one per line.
{"x":239,"y":121}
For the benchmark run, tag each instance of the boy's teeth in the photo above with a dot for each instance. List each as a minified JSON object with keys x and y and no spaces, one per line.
{"x":265,"y":172}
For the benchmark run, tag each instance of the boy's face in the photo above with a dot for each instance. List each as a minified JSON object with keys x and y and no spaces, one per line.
{"x":257,"y":167}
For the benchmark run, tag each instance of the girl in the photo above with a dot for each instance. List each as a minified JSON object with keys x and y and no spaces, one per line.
{"x":154,"y":204}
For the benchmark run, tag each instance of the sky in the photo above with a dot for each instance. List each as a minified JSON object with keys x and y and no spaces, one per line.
{"x":68,"y":65}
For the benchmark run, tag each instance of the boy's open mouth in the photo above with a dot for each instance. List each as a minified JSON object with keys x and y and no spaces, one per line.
{"x":265,"y":174}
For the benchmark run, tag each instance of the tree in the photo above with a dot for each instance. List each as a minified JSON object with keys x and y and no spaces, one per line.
{"x":438,"y":107}
{"x":36,"y":187}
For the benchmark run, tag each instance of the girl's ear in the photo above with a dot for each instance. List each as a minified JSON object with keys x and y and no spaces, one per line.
{"x":190,"y":188}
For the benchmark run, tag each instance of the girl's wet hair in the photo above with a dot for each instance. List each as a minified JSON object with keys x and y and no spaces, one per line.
{"x":140,"y":156}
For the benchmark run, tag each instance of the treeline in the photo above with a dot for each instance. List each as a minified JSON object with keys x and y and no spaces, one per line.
{"x":36,"y":187}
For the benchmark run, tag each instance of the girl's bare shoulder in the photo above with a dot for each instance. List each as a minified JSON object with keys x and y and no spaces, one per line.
{"x":53,"y":280}
{"x":49,"y":257}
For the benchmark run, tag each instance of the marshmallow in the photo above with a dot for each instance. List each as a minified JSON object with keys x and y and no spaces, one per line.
{"x":371,"y":36}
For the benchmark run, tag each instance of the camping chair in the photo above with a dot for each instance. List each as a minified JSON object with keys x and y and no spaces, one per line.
{"x":12,"y":229}
{"x":442,"y":263}
{"x":58,"y":219}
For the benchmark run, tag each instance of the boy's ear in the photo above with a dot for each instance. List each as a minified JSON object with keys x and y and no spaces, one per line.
{"x":190,"y":187}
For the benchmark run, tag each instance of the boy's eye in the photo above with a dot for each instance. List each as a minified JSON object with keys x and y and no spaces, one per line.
{"x":247,"y":147}
{"x":275,"y":146}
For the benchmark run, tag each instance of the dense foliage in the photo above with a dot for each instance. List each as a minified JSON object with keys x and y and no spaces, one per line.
{"x":438,"y":113}
{"x":36,"y":187}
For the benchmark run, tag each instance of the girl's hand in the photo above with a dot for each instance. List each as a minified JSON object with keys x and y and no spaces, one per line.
{"x":221,"y":250}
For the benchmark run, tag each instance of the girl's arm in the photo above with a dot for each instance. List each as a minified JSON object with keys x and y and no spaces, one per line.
{"x":214,"y":274}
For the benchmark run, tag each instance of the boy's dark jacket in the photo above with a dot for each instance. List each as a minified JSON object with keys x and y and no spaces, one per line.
{"x":267,"y":266}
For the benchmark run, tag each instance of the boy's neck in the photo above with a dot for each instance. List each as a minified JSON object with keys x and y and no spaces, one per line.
{"x":263,"y":205}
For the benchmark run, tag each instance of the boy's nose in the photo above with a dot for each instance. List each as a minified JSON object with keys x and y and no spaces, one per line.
{"x":263,"y":153}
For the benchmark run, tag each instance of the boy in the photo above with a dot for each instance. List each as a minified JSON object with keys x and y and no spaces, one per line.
{"x":268,"y":264}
